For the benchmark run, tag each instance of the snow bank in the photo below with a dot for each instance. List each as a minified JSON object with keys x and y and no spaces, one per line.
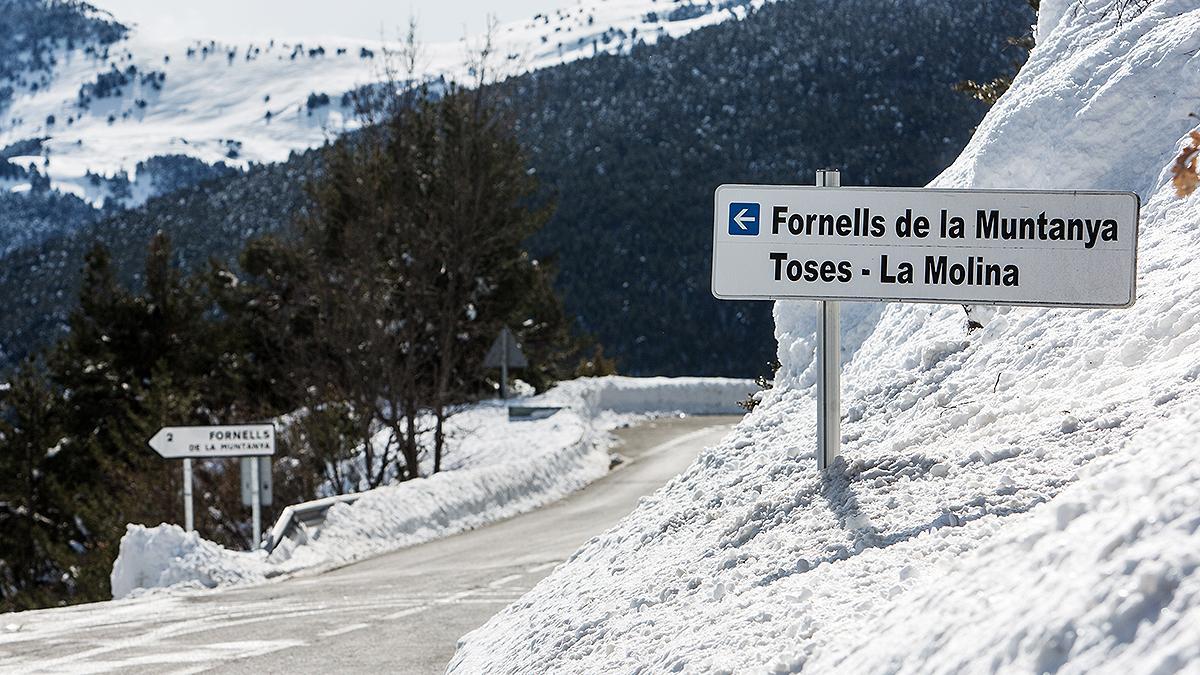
{"x":498,"y":469}
{"x":1018,"y":499}
{"x":157,"y":557}
{"x":692,"y":395}
{"x":543,"y":461}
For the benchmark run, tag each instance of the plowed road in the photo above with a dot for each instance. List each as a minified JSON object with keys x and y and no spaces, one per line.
{"x":401,"y":612}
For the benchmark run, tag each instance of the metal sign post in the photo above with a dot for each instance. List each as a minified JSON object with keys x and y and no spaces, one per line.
{"x":189,"y":522}
{"x":244,"y":440}
{"x":1043,"y":248}
{"x":504,"y":363}
{"x":829,"y":362}
{"x":256,"y":504}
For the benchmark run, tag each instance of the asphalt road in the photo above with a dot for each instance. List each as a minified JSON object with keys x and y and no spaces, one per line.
{"x":401,"y":612}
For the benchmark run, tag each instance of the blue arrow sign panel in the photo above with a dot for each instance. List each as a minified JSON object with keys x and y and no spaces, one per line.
{"x":743,"y":218}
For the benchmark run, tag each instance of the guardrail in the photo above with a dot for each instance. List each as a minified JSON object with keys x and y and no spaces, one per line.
{"x":300,"y":522}
{"x":525,"y":412}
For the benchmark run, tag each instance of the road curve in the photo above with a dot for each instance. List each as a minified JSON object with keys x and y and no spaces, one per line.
{"x":399,"y":612}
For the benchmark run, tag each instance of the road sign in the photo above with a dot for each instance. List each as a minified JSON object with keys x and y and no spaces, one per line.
{"x":1006,"y":247}
{"x":505,"y":350}
{"x":504,"y":354}
{"x":238,"y":440}
{"x":1002,"y":247}
{"x":265,"y":486}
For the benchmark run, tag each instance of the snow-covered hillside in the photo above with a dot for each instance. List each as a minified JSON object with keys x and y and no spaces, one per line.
{"x":1022,"y":498}
{"x":100,"y":111}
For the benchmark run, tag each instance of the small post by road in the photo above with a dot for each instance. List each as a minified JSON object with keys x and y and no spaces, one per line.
{"x":189,"y":522}
{"x":504,"y":364}
{"x":829,"y":362}
{"x":256,"y":503}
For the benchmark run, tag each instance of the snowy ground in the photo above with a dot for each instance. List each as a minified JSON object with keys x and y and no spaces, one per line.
{"x":243,"y":103}
{"x":498,"y":469}
{"x":1019,"y":499}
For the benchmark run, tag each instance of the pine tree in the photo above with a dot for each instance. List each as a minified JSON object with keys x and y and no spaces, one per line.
{"x":131,"y":363}
{"x":393,"y":286}
{"x":37,"y":561}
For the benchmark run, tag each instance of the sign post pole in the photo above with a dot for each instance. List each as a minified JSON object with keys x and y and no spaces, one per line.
{"x":188,"y":519}
{"x":504,"y":364}
{"x":256,"y":504}
{"x":829,"y":362}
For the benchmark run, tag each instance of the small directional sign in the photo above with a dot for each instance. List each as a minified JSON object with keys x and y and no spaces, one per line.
{"x":743,"y":218}
{"x":238,"y":440}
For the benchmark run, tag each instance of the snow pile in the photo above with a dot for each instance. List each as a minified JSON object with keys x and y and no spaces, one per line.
{"x":1101,"y":579}
{"x":695,"y":395}
{"x":156,"y":557}
{"x":1017,"y":499}
{"x":497,"y":469}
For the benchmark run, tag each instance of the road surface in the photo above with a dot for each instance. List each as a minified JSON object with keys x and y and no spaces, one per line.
{"x":401,"y":612}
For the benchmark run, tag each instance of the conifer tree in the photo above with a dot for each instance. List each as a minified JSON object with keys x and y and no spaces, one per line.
{"x":36,"y":534}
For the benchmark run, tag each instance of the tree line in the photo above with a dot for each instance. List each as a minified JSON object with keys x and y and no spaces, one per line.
{"x":361,"y":328}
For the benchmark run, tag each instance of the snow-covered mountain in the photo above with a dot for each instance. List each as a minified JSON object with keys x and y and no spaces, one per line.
{"x":92,"y":111}
{"x":1021,"y":498}
{"x":759,"y":100}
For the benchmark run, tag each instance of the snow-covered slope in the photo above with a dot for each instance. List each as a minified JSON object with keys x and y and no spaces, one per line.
{"x":1019,"y":499}
{"x":103,"y":110}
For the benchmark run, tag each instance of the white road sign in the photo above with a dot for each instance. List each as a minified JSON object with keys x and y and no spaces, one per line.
{"x":236,"y":440}
{"x":1051,"y":248}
